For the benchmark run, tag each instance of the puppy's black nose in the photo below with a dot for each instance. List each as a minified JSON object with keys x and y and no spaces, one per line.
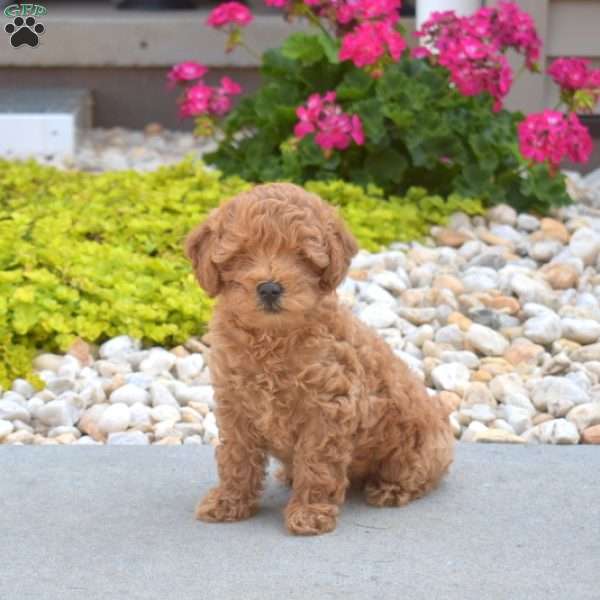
{"x":269,"y":292}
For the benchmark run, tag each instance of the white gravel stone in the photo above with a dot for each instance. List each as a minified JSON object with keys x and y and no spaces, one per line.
{"x":517,"y":417}
{"x":194,"y":439}
{"x":158,"y":361}
{"x":23,"y":388}
{"x":556,"y":431}
{"x":450,"y":334}
{"x":118,"y":346}
{"x":452,"y":377}
{"x":47,"y":362}
{"x":478,"y":412}
{"x":190,"y":367}
{"x":86,"y":440}
{"x":544,"y":329}
{"x":139,"y":415}
{"x":502,"y":213}
{"x":587,"y":353}
{"x":6,"y":427}
{"x":128,"y":438}
{"x":509,"y":384}
{"x":13,"y":406}
{"x":378,"y":315}
{"x":418,"y":316}
{"x":115,"y":418}
{"x":471,"y":432}
{"x":390,"y":281}
{"x":583,"y":331}
{"x":62,"y":430}
{"x":57,"y":413}
{"x":164,"y":412}
{"x":478,"y":393}
{"x":585,"y":244}
{"x":160,"y":395}
{"x":61,"y":384}
{"x":129,"y":394}
{"x":211,"y":431}
{"x":557,"y":395}
{"x":486,"y":340}
{"x":528,"y":223}
{"x":468,"y":359}
{"x":529,"y":289}
{"x":585,"y":415}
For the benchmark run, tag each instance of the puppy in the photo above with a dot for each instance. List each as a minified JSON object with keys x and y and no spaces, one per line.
{"x":297,"y":376}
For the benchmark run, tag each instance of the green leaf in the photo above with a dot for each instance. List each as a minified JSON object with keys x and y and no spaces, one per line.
{"x":355,"y":85}
{"x":303,"y":47}
{"x":371,"y":114}
{"x":387,"y":166}
{"x":331,"y":47}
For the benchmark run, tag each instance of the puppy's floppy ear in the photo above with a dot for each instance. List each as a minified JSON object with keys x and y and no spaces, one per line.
{"x":199,"y":246}
{"x":342,"y":247}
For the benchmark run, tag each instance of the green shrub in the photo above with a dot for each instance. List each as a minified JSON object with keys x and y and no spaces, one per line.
{"x":94,"y":256}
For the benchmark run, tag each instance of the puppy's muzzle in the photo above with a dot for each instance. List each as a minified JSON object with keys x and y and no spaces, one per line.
{"x":269,"y":295}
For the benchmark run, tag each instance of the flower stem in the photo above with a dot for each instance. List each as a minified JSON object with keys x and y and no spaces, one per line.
{"x":314,"y":20}
{"x":251,"y":52}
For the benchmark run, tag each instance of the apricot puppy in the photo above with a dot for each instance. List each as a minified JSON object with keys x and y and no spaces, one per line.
{"x":297,"y":376}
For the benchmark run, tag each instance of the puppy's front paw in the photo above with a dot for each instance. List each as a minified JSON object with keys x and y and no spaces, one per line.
{"x":219,"y":506}
{"x":311,"y":519}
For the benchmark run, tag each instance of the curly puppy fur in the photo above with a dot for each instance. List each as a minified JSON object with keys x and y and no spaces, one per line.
{"x":298,"y":377}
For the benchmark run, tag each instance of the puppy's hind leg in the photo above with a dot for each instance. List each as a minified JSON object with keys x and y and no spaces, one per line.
{"x":411,"y":469}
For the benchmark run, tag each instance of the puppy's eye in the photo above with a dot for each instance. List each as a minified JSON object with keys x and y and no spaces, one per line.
{"x":238,"y":262}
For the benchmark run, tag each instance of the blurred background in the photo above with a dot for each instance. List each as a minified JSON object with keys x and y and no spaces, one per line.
{"x":117,"y":52}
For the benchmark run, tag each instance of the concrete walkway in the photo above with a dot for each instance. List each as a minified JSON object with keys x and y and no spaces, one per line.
{"x":116,"y":523}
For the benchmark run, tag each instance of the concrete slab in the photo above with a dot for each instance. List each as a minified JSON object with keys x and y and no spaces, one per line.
{"x":510,"y":523}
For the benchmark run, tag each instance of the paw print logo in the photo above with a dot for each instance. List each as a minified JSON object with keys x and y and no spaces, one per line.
{"x":24,"y":31}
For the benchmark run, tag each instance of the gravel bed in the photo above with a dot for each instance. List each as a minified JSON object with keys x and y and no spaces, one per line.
{"x":500,"y":315}
{"x":118,"y":149}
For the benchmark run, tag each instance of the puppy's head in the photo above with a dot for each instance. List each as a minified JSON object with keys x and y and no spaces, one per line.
{"x":271,"y":254}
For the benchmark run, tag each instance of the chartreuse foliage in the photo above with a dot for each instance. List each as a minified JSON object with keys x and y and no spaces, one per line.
{"x":94,"y":256}
{"x":419,"y":131}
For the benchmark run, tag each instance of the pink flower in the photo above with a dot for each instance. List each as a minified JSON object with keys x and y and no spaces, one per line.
{"x":229,"y":13}
{"x":202,"y":99}
{"x":186,"y":71}
{"x":570,"y":73}
{"x":228,"y":86}
{"x":551,"y":136}
{"x":333,"y":128}
{"x":369,"y":42}
{"x":510,"y":27}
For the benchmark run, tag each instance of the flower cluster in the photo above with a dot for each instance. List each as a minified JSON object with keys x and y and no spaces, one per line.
{"x":333,"y":128}
{"x":231,"y":16}
{"x":580,"y":85}
{"x":367,"y":28}
{"x":373,"y":38}
{"x":553,"y":136}
{"x":475,"y":68}
{"x":229,"y":13}
{"x":202,"y":99}
{"x":472,"y":48}
{"x":370,"y":42}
